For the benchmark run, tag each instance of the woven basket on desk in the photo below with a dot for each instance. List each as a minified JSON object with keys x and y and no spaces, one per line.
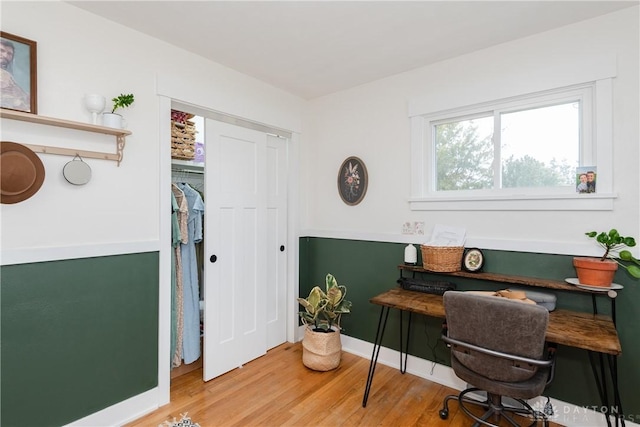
{"x":441,"y":258}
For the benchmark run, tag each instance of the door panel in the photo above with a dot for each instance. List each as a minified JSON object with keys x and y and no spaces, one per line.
{"x":276,"y":241}
{"x":236,"y":233}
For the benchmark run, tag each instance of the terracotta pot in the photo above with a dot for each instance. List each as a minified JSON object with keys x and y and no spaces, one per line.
{"x":321,"y":351}
{"x":593,"y":272}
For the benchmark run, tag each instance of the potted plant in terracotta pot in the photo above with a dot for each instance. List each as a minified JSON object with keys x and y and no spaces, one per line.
{"x":321,"y":346}
{"x":600,"y":271}
{"x":113,"y":119}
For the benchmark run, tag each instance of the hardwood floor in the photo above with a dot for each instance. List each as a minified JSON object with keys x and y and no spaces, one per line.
{"x":278,"y":390}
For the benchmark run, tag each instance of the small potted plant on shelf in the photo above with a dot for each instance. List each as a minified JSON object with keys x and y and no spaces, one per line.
{"x":321,"y":346}
{"x":112,"y":119}
{"x":600,"y":271}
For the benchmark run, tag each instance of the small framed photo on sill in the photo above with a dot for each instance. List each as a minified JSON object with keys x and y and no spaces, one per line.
{"x":18,"y":73}
{"x":586,"y":179}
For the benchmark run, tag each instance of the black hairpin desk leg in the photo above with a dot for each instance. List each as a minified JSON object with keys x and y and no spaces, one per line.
{"x":617,"y":404}
{"x":601,"y":379}
{"x":601,"y":382}
{"x":403,"y":363}
{"x":382,"y":323}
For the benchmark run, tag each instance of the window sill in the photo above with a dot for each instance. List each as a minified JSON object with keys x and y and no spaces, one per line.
{"x":564,"y":202}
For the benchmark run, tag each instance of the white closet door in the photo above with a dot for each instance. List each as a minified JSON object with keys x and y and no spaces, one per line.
{"x":276,"y":241}
{"x":235,"y":247}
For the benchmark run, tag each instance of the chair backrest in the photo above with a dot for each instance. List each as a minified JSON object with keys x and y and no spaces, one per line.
{"x":497,"y":324}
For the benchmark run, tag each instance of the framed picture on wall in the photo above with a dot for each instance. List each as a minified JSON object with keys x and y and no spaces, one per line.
{"x":352,"y":181}
{"x":18,"y":76}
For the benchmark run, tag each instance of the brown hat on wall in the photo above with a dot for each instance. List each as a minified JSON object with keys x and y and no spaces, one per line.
{"x":21,"y":173}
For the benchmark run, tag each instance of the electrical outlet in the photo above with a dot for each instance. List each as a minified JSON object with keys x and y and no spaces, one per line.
{"x":419,"y":228}
{"x":408,"y":228}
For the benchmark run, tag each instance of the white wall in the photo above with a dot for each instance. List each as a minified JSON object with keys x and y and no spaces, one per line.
{"x":123,"y":209}
{"x":371,"y":122}
{"x":81,"y":53}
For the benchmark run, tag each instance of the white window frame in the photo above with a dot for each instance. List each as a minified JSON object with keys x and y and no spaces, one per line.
{"x":596,"y":149}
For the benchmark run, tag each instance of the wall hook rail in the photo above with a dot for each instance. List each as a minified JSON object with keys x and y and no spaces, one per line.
{"x":120,"y":135}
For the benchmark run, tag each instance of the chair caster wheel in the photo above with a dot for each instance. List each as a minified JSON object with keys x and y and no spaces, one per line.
{"x":444,"y":414}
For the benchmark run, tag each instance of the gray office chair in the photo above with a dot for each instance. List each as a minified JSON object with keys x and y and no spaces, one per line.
{"x":498,"y":346}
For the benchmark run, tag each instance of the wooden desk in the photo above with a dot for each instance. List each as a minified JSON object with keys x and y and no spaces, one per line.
{"x":593,"y":332}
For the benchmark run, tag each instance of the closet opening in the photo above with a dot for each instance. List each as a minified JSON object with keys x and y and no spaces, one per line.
{"x":237,"y":300}
{"x":188,"y":209}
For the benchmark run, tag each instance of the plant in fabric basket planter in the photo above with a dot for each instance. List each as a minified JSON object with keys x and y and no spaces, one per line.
{"x":600,"y":271}
{"x":323,"y":309}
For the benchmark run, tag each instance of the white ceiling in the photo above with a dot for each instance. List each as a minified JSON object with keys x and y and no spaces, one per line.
{"x":313,"y":48}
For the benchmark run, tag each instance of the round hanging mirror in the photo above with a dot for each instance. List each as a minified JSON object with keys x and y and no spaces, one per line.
{"x":77,"y":172}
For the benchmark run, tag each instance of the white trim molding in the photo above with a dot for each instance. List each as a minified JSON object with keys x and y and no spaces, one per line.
{"x":588,"y":78}
{"x":555,"y":202}
{"x":524,"y":245}
{"x":562,"y":72}
{"x":58,"y":253}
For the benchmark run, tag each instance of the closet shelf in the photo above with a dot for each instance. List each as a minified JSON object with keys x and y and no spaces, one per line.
{"x":187,"y":166}
{"x":120,"y":135}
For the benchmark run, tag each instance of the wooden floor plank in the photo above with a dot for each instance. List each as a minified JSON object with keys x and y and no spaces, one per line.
{"x":278,"y":390}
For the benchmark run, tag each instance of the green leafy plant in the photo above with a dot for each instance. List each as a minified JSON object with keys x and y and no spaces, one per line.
{"x":612,"y":242}
{"x":122,"y":101}
{"x":323,"y":309}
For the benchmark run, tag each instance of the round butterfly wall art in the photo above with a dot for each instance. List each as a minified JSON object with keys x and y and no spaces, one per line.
{"x":352,"y":181}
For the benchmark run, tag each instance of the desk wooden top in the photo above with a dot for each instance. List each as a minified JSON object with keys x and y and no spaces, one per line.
{"x":571,"y":328}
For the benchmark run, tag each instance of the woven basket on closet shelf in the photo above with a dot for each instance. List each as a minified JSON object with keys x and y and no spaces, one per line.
{"x":441,"y":258}
{"x":182,"y":153}
{"x":190,"y":128}
{"x":183,"y":140}
{"x":181,"y":116}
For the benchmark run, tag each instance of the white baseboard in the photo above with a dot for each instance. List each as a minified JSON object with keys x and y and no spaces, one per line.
{"x":566,"y":414}
{"x":121,"y":413}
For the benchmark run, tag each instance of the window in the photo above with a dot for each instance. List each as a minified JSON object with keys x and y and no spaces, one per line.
{"x":531,"y":146}
{"x":540,"y":147}
{"x":463,"y":153}
{"x":513,"y":152}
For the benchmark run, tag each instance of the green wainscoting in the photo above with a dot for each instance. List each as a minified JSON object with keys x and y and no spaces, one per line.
{"x":77,"y":336}
{"x":369,"y":268}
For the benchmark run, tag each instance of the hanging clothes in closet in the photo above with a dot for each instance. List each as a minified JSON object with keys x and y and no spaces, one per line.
{"x":190,"y":287}
{"x":179,"y":236}
{"x":175,"y":243}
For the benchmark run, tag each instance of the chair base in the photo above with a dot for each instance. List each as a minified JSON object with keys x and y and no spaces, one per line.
{"x":495,"y":408}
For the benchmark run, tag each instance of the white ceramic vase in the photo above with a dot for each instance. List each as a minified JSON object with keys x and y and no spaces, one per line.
{"x":95,"y":104}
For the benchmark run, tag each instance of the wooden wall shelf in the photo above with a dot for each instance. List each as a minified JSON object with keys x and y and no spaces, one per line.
{"x":502,"y":278}
{"x":120,"y":135}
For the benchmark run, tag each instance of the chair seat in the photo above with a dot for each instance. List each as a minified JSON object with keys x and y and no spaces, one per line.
{"x":527,"y":389}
